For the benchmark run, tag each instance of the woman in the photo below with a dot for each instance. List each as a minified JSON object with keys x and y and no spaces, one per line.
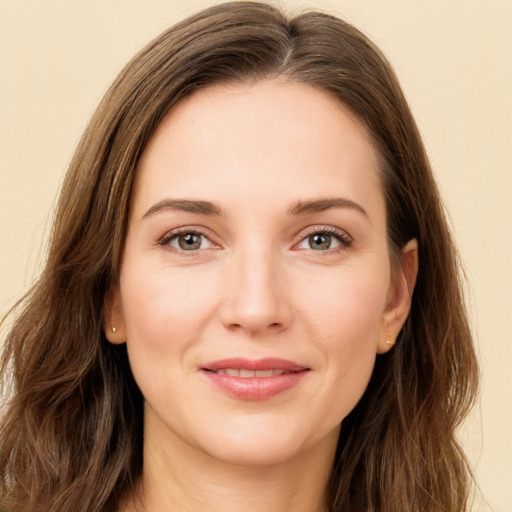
{"x":251,"y":299}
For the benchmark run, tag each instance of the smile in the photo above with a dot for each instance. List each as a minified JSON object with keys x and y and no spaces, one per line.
{"x":261,"y":379}
{"x":237,"y":372}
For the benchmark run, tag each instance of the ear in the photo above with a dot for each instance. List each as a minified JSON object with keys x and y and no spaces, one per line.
{"x":113,"y":322}
{"x":399,"y":297}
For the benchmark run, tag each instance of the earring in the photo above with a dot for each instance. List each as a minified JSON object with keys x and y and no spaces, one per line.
{"x":113,"y":330}
{"x":389,"y":341}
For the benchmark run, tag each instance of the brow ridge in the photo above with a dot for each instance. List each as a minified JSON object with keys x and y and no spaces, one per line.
{"x":211,"y":209}
{"x":185,"y":205}
{"x":322,"y":204}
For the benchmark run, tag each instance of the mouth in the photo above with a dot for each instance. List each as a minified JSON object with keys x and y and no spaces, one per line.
{"x":260,"y":379}
{"x":240,"y":372}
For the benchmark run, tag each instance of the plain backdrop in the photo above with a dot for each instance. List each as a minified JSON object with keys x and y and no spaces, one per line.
{"x":454,"y":60}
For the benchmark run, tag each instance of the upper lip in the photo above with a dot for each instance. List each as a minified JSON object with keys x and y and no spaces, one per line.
{"x":268,"y":363}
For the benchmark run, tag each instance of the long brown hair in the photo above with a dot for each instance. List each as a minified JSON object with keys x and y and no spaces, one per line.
{"x":71,"y":432}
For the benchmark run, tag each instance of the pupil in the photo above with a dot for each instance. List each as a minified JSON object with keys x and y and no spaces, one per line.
{"x":320,"y":241}
{"x":189,"y":241}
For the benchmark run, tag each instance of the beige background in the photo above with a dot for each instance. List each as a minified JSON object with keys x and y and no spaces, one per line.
{"x":454,"y":59}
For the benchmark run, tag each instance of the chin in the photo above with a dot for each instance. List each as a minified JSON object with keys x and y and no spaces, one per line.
{"x":268,"y":445}
{"x":254,"y":454}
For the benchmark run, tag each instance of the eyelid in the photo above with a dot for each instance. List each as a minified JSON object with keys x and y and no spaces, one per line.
{"x":173,"y":233}
{"x":341,"y":235}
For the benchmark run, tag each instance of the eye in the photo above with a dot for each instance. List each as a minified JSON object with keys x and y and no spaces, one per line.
{"x":325,"y":239}
{"x":187,"y":241}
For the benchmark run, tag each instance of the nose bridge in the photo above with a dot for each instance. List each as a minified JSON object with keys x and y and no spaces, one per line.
{"x":257,"y":295}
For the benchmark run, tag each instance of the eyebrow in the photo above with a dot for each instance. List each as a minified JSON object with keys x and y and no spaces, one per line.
{"x":185,"y":205}
{"x":320,"y":205}
{"x":211,"y":209}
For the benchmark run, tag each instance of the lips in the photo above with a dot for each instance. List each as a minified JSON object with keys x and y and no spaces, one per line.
{"x":258,"y":379}
{"x":240,"y":372}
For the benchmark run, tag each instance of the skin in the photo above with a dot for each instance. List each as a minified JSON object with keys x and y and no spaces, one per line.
{"x":258,"y":285}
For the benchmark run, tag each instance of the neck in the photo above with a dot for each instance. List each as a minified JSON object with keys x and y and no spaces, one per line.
{"x":178,"y":477}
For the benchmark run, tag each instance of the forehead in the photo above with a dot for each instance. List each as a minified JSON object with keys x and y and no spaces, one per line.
{"x":287,"y":136}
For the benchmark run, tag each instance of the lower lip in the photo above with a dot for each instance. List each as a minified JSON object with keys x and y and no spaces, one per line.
{"x":254,"y":388}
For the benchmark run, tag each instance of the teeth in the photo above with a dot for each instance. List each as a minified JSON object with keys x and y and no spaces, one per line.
{"x":264,"y":373}
{"x":235,"y":372}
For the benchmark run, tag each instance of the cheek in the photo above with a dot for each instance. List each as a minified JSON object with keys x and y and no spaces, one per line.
{"x":165,"y":296}
{"x":345,"y":320}
{"x":348,"y":306}
{"x":164,"y":314}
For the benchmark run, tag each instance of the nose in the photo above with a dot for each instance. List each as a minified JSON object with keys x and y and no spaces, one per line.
{"x":256,"y":299}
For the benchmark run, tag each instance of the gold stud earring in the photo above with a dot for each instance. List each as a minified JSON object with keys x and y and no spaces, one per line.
{"x":389,"y":341}
{"x":113,"y":330}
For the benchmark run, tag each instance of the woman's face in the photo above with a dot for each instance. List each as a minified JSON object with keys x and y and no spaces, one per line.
{"x":255,"y":288}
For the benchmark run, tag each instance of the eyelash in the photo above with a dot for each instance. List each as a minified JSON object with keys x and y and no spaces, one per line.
{"x":342,"y":237}
{"x":167,"y":238}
